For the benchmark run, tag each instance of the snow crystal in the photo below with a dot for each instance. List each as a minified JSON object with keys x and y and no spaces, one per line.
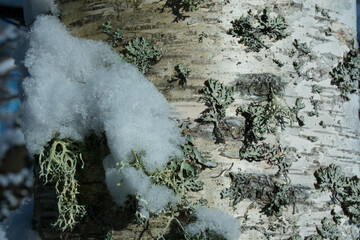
{"x":214,"y":220}
{"x":76,"y":86}
{"x":19,"y":224}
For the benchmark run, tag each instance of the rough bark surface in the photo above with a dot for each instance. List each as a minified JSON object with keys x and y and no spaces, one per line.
{"x":221,"y":57}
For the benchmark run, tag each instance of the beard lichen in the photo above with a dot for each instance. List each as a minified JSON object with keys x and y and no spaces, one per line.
{"x":58,"y":163}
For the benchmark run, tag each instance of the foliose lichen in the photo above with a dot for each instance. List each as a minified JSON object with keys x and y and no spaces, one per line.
{"x":181,"y":75}
{"x":116,"y":37}
{"x":346,"y":75}
{"x":345,"y":190}
{"x":273,"y":196}
{"x":322,"y":11}
{"x":217,"y":98}
{"x":264,"y":117}
{"x":315,"y":103}
{"x":302,"y":48}
{"x":139,"y":52}
{"x":252,"y":28}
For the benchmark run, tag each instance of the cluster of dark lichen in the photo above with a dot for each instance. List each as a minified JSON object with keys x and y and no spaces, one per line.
{"x":302,"y":48}
{"x":217,"y":98}
{"x":279,"y":198}
{"x":252,"y":28}
{"x":346,"y":75}
{"x":191,"y":5}
{"x":202,"y":35}
{"x":181,"y":75}
{"x":345,"y":190}
{"x":139,"y":52}
{"x":272,"y":195}
{"x":116,"y":37}
{"x":316,"y":89}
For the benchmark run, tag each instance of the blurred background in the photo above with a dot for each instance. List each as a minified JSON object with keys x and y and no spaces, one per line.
{"x":16,"y":177}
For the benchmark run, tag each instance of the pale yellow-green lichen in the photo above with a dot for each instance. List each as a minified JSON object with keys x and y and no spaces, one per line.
{"x":58,"y":163}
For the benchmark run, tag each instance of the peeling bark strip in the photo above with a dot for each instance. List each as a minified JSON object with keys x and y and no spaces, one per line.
{"x":219,"y":56}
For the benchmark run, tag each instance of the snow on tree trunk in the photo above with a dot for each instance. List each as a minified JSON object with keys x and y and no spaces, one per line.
{"x":200,"y":41}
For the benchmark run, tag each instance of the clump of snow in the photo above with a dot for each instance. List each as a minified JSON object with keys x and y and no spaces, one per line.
{"x":76,"y":86}
{"x":131,"y":181}
{"x":214,"y":220}
{"x":34,"y":8}
{"x":19,"y":224}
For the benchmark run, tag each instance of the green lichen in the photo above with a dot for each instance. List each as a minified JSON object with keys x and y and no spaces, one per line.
{"x":278,"y":63}
{"x":217,"y":98}
{"x":202,"y":35}
{"x":312,"y":138}
{"x":182,"y":75}
{"x":116,"y":37}
{"x":191,"y":5}
{"x":107,"y":234}
{"x":328,"y":32}
{"x":252,"y":28}
{"x":271,"y":195}
{"x":139,"y":53}
{"x":279,"y":200}
{"x":264,"y":117}
{"x":274,"y":155}
{"x":315,"y":103}
{"x":58,"y":163}
{"x":329,"y":230}
{"x":316,"y":89}
{"x":302,"y":48}
{"x":322,"y":11}
{"x":345,"y":190}
{"x":346,"y":75}
{"x":296,"y":109}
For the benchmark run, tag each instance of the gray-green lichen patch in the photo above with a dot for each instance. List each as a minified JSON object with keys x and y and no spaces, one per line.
{"x":316,"y":89}
{"x":315,"y":103}
{"x":181,"y":75}
{"x":217,"y":98}
{"x":346,"y":75}
{"x":264,"y":117}
{"x":251,"y":29}
{"x":116,"y":37}
{"x":344,"y":190}
{"x":139,"y":52}
{"x":272,"y":196}
{"x":302,"y":48}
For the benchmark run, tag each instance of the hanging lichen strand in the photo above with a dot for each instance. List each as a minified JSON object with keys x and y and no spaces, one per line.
{"x":58,"y":163}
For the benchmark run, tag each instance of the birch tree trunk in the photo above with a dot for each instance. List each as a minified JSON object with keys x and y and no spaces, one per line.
{"x":219,"y":56}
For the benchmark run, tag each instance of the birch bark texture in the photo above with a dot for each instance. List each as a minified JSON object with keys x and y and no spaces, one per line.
{"x":220,"y":56}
